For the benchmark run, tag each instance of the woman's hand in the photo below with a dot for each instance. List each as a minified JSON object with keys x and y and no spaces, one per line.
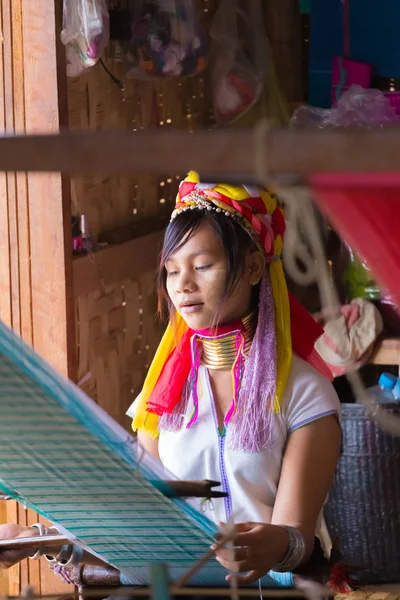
{"x":8,"y":558}
{"x":259,"y":547}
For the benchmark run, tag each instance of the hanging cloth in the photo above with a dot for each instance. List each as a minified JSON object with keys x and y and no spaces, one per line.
{"x":305,"y":7}
{"x":365,"y":211}
{"x":345,"y":71}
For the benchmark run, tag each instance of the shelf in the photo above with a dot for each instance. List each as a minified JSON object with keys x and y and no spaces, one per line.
{"x":116,"y":263}
{"x":387,"y":352}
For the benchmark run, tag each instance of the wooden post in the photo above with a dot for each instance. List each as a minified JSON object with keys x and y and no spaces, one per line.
{"x":159,"y":582}
{"x":35,"y":223}
{"x":283,"y":22}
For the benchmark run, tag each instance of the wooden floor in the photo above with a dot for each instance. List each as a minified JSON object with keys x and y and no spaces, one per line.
{"x":382,"y":592}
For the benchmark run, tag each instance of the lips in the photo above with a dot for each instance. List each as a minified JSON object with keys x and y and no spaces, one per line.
{"x":190,"y":307}
{"x":189,"y":303}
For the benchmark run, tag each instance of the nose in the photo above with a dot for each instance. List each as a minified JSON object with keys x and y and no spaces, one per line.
{"x":184,"y":283}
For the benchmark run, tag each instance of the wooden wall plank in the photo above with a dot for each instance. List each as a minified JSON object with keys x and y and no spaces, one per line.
{"x":3,"y":573}
{"x":49,"y":216}
{"x":9,"y":268}
{"x":21,"y":180}
{"x":50,"y":231}
{"x":14,"y":580}
{"x":35,"y":231}
{"x":283,"y":22}
{"x":5,"y":283}
{"x":10,"y":35}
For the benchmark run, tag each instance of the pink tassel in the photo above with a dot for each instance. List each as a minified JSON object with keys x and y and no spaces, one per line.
{"x":237,"y":370}
{"x":250,"y":429}
{"x":194,"y":379}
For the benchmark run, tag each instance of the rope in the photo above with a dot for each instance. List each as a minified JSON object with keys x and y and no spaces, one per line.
{"x":301,"y":217}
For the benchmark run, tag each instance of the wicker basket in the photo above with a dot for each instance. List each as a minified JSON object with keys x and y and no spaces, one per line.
{"x":363,"y":510}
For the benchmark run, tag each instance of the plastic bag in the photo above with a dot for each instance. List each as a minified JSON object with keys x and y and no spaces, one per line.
{"x":239,"y":55}
{"x":358,"y":280}
{"x":358,"y":107}
{"x":85,"y":33}
{"x":362,"y":108}
{"x":167,"y":40}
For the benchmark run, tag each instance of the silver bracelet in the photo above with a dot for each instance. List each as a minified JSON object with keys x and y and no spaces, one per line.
{"x":62,"y":557}
{"x":75,"y":558}
{"x":42,"y":531}
{"x":296,"y":551}
{"x":70,"y":555}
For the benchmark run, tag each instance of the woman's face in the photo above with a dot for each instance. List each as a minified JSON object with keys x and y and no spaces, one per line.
{"x":196,"y":276}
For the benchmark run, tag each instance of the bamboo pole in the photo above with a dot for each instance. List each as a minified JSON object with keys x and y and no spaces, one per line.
{"x":33,"y":542}
{"x":146,"y":592}
{"x":230,"y":155}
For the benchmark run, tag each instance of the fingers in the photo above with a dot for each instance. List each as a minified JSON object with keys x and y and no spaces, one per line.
{"x":248,"y":555}
{"x":231,"y":554}
{"x":247,"y":534}
{"x":245,"y":539}
{"x":12,"y":557}
{"x":242,"y":531}
{"x":244,"y":527}
{"x":249,"y":578}
{"x":238,"y":560}
{"x":240,"y":527}
{"x":236,"y":566}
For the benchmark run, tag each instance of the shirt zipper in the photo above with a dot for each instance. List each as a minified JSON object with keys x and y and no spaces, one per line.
{"x":221,"y":453}
{"x":224,"y":477}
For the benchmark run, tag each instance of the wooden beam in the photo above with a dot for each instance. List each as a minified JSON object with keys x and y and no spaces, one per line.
{"x":386,"y":352}
{"x":117,"y":263}
{"x":229,"y":154}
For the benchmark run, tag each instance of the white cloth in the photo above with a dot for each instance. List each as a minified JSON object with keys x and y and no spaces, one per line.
{"x":250,"y":479}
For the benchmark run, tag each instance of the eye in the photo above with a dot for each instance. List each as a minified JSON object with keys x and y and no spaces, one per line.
{"x":171,"y":273}
{"x":203,"y":267}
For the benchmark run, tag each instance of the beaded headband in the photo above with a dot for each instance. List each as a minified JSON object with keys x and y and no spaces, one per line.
{"x":198,"y":200}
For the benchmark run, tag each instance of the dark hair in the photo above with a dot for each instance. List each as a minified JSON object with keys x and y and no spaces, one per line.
{"x":233,"y":237}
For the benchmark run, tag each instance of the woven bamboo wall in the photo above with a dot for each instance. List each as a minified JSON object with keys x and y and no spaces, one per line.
{"x":96,"y":102}
{"x":118,"y":333}
{"x":116,"y":326}
{"x":117,"y":330}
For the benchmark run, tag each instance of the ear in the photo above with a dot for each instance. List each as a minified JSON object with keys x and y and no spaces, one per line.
{"x":256,"y":267}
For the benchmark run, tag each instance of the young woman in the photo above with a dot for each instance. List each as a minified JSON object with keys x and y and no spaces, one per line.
{"x":236,"y":392}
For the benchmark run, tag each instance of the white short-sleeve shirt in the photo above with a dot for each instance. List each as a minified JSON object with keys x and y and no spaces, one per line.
{"x":251,"y":479}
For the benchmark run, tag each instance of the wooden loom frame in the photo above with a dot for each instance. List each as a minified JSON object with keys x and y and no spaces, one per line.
{"x":284,"y":153}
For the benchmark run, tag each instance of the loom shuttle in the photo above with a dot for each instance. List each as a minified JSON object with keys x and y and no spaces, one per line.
{"x":189,"y":489}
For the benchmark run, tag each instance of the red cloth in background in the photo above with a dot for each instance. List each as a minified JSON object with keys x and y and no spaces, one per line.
{"x":364,"y":209}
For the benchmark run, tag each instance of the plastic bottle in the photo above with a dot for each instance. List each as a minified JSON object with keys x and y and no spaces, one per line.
{"x":396,"y":390}
{"x":383,"y":392}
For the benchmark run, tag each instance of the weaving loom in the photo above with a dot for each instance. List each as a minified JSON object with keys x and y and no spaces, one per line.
{"x":52,"y":477}
{"x":65,"y":458}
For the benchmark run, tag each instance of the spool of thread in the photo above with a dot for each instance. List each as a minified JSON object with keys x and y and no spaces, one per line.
{"x":86,"y":239}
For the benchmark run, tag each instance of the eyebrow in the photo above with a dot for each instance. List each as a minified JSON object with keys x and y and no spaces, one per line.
{"x":193,"y":254}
